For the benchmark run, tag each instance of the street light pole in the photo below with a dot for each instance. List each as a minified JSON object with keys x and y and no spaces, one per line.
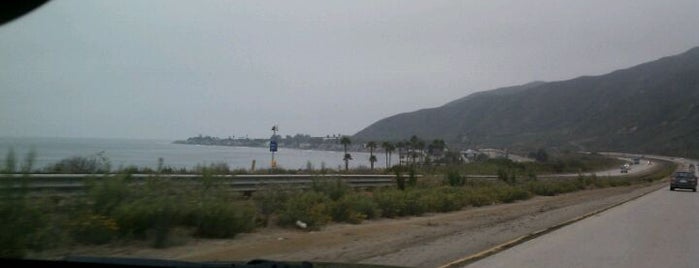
{"x":273,"y":145}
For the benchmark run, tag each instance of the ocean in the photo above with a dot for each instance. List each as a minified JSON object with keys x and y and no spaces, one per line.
{"x":145,"y":153}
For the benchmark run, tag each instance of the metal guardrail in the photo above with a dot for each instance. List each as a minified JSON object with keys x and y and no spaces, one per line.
{"x":67,"y":183}
{"x":242,"y":183}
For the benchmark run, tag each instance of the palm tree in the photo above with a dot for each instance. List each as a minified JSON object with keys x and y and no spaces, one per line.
{"x":388,"y":149}
{"x":413,"y":147}
{"x":372,"y":158}
{"x":400,"y":145}
{"x":346,"y":141}
{"x":436,"y":148}
{"x":421,"y":150}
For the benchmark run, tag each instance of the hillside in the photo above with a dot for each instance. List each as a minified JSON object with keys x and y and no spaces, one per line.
{"x":649,"y":108}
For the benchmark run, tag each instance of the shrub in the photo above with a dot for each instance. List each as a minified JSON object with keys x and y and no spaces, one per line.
{"x":216,"y":218}
{"x":412,"y":178}
{"x":453,"y":178}
{"x":601,"y":183}
{"x":311,"y":208}
{"x":390,"y":202}
{"x":19,"y":223}
{"x":271,"y":199}
{"x":554,"y":188}
{"x":444,"y":199}
{"x":542,"y":188}
{"x":478,"y":198}
{"x":148,"y":217}
{"x":507,"y":177}
{"x":413,"y":204}
{"x":354,"y":208}
{"x":400,"y":180}
{"x":531,"y":175}
{"x":509,"y":194}
{"x":19,"y":220}
{"x":93,"y":229}
{"x":213,"y":168}
{"x":108,"y":193}
{"x":395,"y":203}
{"x":334,"y":188}
{"x":619,"y":182}
{"x":92,"y":164}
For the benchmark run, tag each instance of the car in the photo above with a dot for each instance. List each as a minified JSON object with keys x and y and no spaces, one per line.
{"x":624,"y":168}
{"x":683,"y":180}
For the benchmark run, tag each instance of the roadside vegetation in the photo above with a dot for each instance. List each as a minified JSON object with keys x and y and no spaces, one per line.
{"x":162,"y":212}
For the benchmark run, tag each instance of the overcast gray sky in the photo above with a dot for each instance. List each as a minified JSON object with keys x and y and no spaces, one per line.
{"x":173,"y":69}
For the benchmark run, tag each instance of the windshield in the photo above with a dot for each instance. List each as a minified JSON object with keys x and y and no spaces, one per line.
{"x":396,"y":133}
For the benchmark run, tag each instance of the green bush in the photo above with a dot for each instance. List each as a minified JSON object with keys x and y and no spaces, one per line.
{"x":272,"y":199}
{"x":507,"y":176}
{"x":412,"y":177}
{"x":601,"y":183}
{"x":354,"y":208}
{"x":333,"y":188}
{"x":312,"y":208}
{"x":554,"y":188}
{"x":444,"y":199}
{"x":92,"y":164}
{"x":509,"y":194}
{"x":108,"y":193}
{"x":216,"y":218}
{"x":479,"y":198}
{"x":213,"y":168}
{"x":453,"y":178}
{"x":396,"y":203}
{"x":619,"y":182}
{"x":390,"y":202}
{"x":542,"y":188}
{"x":400,"y":180}
{"x":93,"y":229}
{"x":19,"y":223}
{"x":149,"y":217}
{"x":413,"y":204}
{"x":20,"y":220}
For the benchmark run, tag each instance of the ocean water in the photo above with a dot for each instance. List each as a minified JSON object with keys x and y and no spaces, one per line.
{"x":145,"y":153}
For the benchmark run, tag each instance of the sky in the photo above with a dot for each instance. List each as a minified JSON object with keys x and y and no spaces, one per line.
{"x":167,"y":69}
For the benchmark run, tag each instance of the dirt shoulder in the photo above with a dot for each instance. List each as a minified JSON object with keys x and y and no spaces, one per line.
{"x":427,"y":241}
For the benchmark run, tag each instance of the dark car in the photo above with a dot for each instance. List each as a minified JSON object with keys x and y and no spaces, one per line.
{"x":684,"y":180}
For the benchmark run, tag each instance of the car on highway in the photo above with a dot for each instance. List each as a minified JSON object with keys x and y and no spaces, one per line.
{"x":625,"y":168}
{"x":683,"y":180}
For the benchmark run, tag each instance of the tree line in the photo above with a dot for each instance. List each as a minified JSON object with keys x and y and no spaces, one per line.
{"x":414,"y":151}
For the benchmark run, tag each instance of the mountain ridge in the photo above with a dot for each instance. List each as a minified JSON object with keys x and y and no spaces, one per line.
{"x":651,"y":107}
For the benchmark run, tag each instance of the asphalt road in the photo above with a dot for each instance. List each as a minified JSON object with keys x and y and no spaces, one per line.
{"x":660,"y":229}
{"x":643,"y":166}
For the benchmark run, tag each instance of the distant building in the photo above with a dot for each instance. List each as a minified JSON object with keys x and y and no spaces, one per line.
{"x":494,"y":153}
{"x":331,"y":138}
{"x":469,"y":155}
{"x":304,"y":145}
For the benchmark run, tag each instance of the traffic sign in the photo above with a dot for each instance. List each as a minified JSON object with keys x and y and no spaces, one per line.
{"x":273,"y":146}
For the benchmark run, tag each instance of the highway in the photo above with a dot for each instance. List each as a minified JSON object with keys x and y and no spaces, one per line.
{"x":660,"y":229}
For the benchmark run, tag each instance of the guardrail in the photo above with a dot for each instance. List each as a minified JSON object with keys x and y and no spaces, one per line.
{"x":76,"y":183}
{"x":66,"y":183}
